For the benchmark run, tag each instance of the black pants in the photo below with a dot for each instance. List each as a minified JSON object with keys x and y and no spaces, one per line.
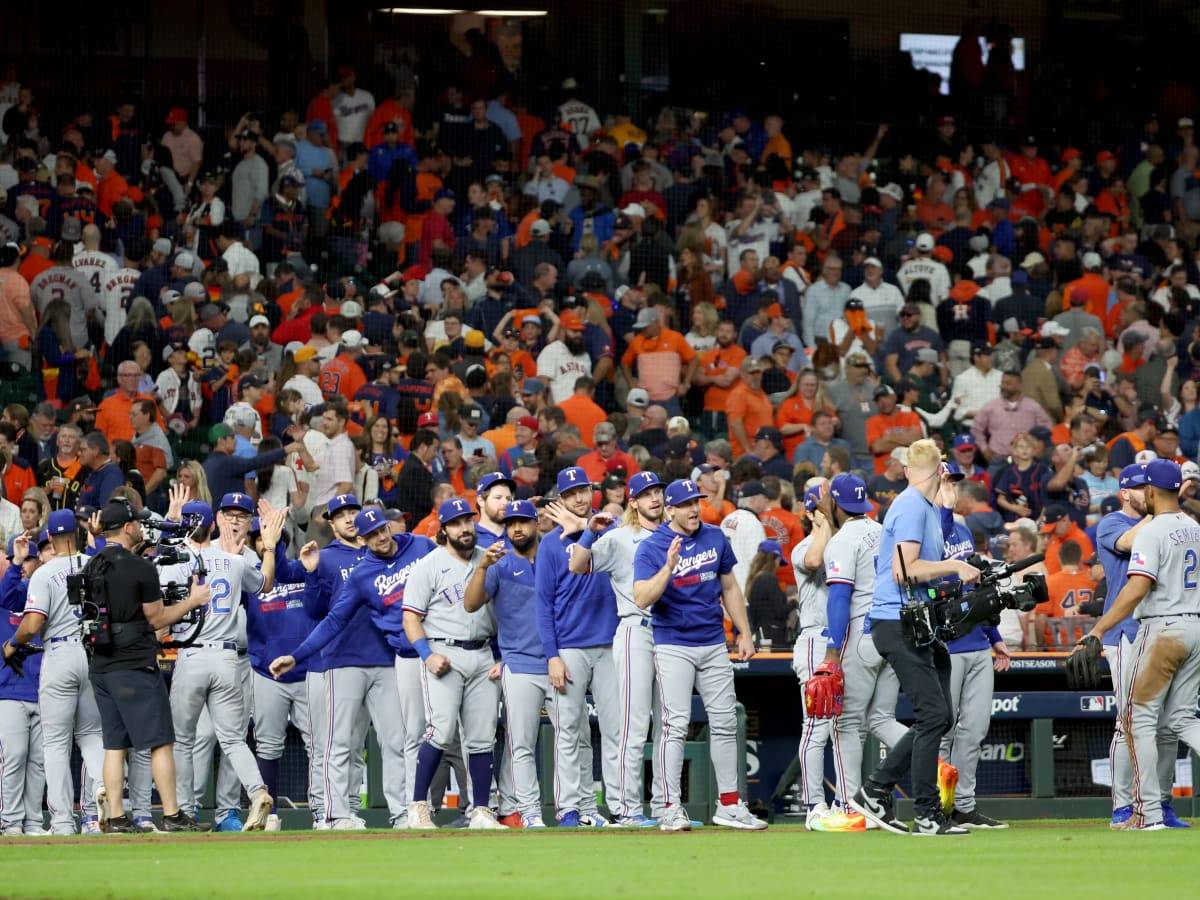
{"x":924,"y":675}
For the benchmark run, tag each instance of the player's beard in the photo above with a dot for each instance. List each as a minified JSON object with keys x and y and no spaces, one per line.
{"x":464,"y":545}
{"x":523,"y":544}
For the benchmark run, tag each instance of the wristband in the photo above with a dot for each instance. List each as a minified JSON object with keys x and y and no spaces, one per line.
{"x":589,"y":538}
{"x":267,"y":550}
{"x":421,"y":645}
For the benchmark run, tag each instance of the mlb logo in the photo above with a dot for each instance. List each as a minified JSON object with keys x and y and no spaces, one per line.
{"x":1137,"y":559}
{"x":1091,"y":704}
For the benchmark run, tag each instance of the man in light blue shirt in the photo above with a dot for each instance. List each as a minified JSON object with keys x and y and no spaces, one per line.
{"x":824,"y":302}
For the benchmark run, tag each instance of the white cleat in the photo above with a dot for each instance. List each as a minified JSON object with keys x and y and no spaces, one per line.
{"x":675,"y":819}
{"x":419,"y":818}
{"x":260,"y":808}
{"x":737,"y":816}
{"x":273,"y":823}
{"x":102,"y":807}
{"x":482,"y":818}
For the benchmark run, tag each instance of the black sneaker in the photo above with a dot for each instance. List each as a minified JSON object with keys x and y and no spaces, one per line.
{"x":121,"y":825}
{"x":936,"y":825}
{"x":975,"y":819}
{"x":181,"y":821}
{"x":878,"y":808}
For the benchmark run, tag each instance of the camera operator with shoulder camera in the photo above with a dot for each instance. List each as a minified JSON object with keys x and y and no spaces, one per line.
{"x":131,"y":693}
{"x":910,"y":559}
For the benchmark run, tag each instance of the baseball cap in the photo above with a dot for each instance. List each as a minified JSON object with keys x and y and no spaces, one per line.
{"x":773,"y":548}
{"x":982,"y":349}
{"x":352,"y":338}
{"x":340,"y":502}
{"x":472,"y":413}
{"x":529,"y":422}
{"x":637,"y":398}
{"x":72,"y":229}
{"x":964,"y":440}
{"x":683,"y":490}
{"x":237,"y":501}
{"x":539,"y":228}
{"x":1145,"y":456}
{"x":532,"y":386}
{"x":1055,"y":513}
{"x":1032,"y":259}
{"x":645,"y":319}
{"x":172,"y":348}
{"x":900,"y":455}
{"x":199,"y":509}
{"x":812,"y":497}
{"x":572,"y":477}
{"x":454,"y":508}
{"x":526,"y":459}
{"x":251,"y":380}
{"x":473,"y":339}
{"x":185,"y":260}
{"x":924,"y":242}
{"x":445,"y":194}
{"x":927,"y":355}
{"x":1164,"y":474}
{"x":570,"y":321}
{"x":520,"y":509}
{"x":858,"y":359}
{"x":884,"y":390}
{"x":370,"y":519}
{"x":218,"y":431}
{"x":194,"y":290}
{"x":1190,"y":471}
{"x":42,"y":540}
{"x":351,"y":309}
{"x":1040,"y":432}
{"x":491,"y":479}
{"x":642,"y":481}
{"x":304,"y":354}
{"x":255,"y":321}
{"x":952,"y":471}
{"x":872,"y":261}
{"x":391,"y":128}
{"x":61,"y":521}
{"x":892,"y":189}
{"x":678,"y":445}
{"x":119,"y":512}
{"x":767,"y":433}
{"x":1134,"y":475}
{"x":850,"y":493}
{"x":427,"y":420}
{"x":318,"y":126}
{"x":753,"y":488}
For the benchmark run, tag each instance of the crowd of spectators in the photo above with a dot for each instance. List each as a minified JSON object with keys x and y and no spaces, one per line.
{"x":360,"y":297}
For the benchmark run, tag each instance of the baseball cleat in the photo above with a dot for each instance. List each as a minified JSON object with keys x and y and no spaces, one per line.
{"x":936,"y":825}
{"x":102,"y":807}
{"x":359,"y":821}
{"x":90,"y":825}
{"x":675,"y":818}
{"x":1121,"y":817}
{"x":638,"y":821}
{"x":181,"y":821}
{"x":350,"y":823}
{"x":260,"y":808}
{"x":532,"y":821}
{"x":1152,"y":826}
{"x":274,"y":823}
{"x":14,"y":831}
{"x":231,"y":823}
{"x":37,"y":831}
{"x":419,"y":818}
{"x":145,"y":824}
{"x":569,"y":819}
{"x":121,"y":825}
{"x":483,"y":819}
{"x":947,"y":780}
{"x":1171,"y":820}
{"x":593,"y":820}
{"x":819,"y":811}
{"x":737,"y":816}
{"x":400,"y":823}
{"x":879,"y":809}
{"x":839,"y":822}
{"x":512,"y":820}
{"x":321,"y":824}
{"x":975,"y":819}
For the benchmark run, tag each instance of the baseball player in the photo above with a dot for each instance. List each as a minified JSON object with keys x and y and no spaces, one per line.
{"x":871,"y":687}
{"x":22,"y":772}
{"x":684,"y":571}
{"x":457,"y":678}
{"x":378,"y":586}
{"x":65,"y":696}
{"x":808,"y":561}
{"x":493,"y":493}
{"x":972,"y":681}
{"x":505,"y":579}
{"x":207,"y":674}
{"x":577,"y":620}
{"x":275,"y":622}
{"x":611,"y":551}
{"x":336,"y":562}
{"x":1163,"y":594}
{"x":1114,"y":543}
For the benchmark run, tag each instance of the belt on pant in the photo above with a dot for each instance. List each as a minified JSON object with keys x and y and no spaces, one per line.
{"x":66,"y":639}
{"x":643,"y":621}
{"x":464,"y":645}
{"x":1195,"y":615}
{"x":215,"y":645}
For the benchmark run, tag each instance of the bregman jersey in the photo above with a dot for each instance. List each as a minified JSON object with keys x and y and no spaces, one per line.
{"x":96,"y":268}
{"x":614,"y":552}
{"x":61,"y":283}
{"x":228,"y":578}
{"x":118,"y":290}
{"x":48,"y":596}
{"x":812,"y":594}
{"x":1116,"y":569}
{"x":562,"y":368}
{"x":435,"y":590}
{"x":850,"y":559}
{"x":1167,"y":551}
{"x":582,"y":119}
{"x":512,"y":586}
{"x":689,"y":612}
{"x":929,"y":269}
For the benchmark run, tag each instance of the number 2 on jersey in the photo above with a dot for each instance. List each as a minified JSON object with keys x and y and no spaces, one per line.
{"x":1191,"y":561}
{"x":218,"y":603}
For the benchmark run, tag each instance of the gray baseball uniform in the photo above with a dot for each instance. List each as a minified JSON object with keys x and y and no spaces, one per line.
{"x":633,"y":665}
{"x":22,"y":767}
{"x":872,"y":688}
{"x":65,"y":696}
{"x":972,"y":681}
{"x":208,"y":674}
{"x":1166,"y":673}
{"x":808,"y":653}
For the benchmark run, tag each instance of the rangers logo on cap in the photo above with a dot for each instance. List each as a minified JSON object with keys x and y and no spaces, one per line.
{"x":341,"y":501}
{"x":642,"y":481}
{"x":571,"y":478}
{"x":452,"y":509}
{"x":369,"y":520}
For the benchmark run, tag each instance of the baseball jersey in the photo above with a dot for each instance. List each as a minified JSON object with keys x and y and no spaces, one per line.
{"x":929,"y":269}
{"x":561,"y":368}
{"x":850,"y":559}
{"x":485,"y":538}
{"x":512,"y":586}
{"x":614,"y":552}
{"x":48,"y":596}
{"x":811,"y":591}
{"x":228,"y":578}
{"x":117,"y":292}
{"x":911,"y":519}
{"x":376,"y":591}
{"x":336,"y":563}
{"x":689,"y":612}
{"x":573,"y":610}
{"x":435,"y":591}
{"x":1167,"y":551}
{"x":1116,"y":569}
{"x":276,"y":620}
{"x":744,"y":532}
{"x":61,"y":283}
{"x":95,"y":268}
{"x":582,"y":119}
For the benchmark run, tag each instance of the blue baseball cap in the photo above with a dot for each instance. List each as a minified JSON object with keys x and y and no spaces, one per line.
{"x":681,"y":491}
{"x":43,"y":539}
{"x":772,"y":547}
{"x":256,"y":525}
{"x":490,"y":480}
{"x":953,"y":471}
{"x":199,"y":508}
{"x":61,"y":521}
{"x":520,"y":509}
{"x":642,"y":481}
{"x":964,"y":440}
{"x":850,"y":493}
{"x":572,"y":477}
{"x":237,"y":501}
{"x":812,"y":497}
{"x":1164,"y":474}
{"x":370,"y":519}
{"x":341,"y":501}
{"x":1133,"y":476}
{"x":454,"y":508}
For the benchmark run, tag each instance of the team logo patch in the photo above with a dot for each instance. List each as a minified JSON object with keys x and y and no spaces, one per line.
{"x":1137,"y":559}
{"x":833,"y":568}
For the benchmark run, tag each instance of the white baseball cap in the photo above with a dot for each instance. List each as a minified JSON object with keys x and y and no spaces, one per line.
{"x":352,"y":338}
{"x":260,"y":320}
{"x":351,"y":309}
{"x":634,"y":209}
{"x":1191,"y":471}
{"x":1053,"y":329}
{"x":924,"y":242}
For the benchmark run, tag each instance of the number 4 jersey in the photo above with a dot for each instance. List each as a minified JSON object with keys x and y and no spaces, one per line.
{"x":229,"y":579}
{"x":1167,"y":551}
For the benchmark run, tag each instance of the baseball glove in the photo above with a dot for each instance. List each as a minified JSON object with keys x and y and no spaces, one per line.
{"x":824,"y":691}
{"x":1083,"y":665}
{"x":21,"y":652}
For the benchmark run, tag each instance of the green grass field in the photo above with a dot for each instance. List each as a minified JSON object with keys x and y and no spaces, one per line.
{"x":1036,"y":859}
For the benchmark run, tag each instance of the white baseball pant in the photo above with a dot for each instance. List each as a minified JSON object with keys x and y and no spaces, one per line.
{"x":972,"y":680}
{"x":68,"y":710}
{"x":633,"y":664}
{"x":807,"y":654}
{"x":22,"y":772}
{"x":516,"y":773}
{"x":589,"y":667}
{"x":351,"y":691}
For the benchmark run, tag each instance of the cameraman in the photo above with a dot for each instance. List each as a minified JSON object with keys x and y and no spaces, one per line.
{"x":913,"y":531}
{"x":130,"y":690}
